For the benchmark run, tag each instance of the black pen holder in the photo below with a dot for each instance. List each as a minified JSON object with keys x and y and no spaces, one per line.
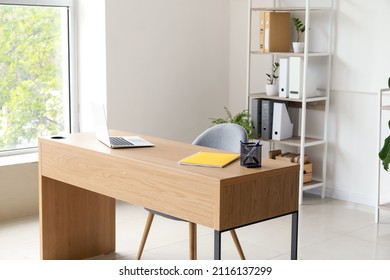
{"x":250,"y":154}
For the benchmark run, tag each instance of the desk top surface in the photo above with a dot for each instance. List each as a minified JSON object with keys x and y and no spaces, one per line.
{"x":151,"y":177}
{"x":166,"y":154}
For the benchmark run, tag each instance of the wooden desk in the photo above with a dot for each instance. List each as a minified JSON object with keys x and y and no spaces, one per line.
{"x":80,"y":178}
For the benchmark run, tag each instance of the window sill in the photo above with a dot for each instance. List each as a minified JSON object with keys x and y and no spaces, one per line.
{"x":19,"y":159}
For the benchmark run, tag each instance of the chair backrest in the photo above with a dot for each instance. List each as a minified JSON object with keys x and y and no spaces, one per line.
{"x":225,"y":136}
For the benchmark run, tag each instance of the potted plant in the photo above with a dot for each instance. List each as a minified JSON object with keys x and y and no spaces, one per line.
{"x":298,"y":46}
{"x":272,"y":87}
{"x":242,"y":118}
{"x":384,"y":154}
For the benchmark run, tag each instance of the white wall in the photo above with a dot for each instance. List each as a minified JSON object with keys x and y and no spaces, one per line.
{"x":238,"y":55}
{"x":361,"y":46}
{"x":167,"y":65}
{"x":360,"y":70}
{"x":91,"y":58}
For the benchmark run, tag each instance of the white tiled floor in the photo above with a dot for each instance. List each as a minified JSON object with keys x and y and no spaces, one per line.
{"x":328,"y":229}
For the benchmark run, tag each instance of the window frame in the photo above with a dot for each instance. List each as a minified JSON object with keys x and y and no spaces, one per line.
{"x":72,"y":51}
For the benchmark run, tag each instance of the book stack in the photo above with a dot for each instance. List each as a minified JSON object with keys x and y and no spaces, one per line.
{"x":270,"y":119}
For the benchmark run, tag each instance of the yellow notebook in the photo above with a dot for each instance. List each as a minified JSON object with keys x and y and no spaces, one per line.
{"x":210,"y":159}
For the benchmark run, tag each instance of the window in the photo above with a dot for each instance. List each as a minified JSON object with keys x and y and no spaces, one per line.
{"x":35,"y":94}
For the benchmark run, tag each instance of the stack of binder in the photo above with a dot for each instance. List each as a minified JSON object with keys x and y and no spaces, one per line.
{"x":291,"y":79}
{"x":270,"y":119}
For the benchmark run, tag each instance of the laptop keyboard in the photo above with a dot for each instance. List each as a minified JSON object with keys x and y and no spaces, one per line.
{"x":119,"y":141}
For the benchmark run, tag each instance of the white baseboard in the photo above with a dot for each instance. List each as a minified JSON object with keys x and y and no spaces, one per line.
{"x":347,"y":196}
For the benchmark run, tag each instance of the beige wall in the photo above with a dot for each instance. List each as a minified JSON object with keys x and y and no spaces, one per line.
{"x":18,"y":190}
{"x":91,"y":57}
{"x":167,"y":65}
{"x":162,"y":67}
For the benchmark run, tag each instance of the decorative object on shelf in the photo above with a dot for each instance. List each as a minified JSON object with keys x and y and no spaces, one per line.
{"x":272,"y":87}
{"x":242,"y":118}
{"x":384,"y":153}
{"x":298,"y":46}
{"x":295,"y":158}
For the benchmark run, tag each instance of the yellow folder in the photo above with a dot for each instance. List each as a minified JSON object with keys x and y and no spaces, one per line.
{"x":210,"y":159}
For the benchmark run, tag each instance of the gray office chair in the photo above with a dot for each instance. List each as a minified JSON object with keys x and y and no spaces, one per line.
{"x":227,"y":137}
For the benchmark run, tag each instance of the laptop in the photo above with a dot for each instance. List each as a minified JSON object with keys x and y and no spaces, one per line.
{"x":103,"y":134}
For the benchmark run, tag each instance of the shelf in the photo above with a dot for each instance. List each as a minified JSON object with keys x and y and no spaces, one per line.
{"x":288,"y":54}
{"x":291,"y":9}
{"x":385,"y":107}
{"x":316,"y":60}
{"x":384,"y":206}
{"x":263,"y":95}
{"x":295,"y":141}
{"x":311,"y":185}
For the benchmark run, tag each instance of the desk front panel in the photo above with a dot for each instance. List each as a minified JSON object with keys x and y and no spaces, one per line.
{"x":258,"y":198}
{"x":74,"y":223}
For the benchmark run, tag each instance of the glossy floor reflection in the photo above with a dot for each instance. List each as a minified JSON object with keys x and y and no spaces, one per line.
{"x":329,"y":229}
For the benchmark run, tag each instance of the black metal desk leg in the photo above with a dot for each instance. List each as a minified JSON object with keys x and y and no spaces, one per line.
{"x":217,"y":245}
{"x":294,"y":236}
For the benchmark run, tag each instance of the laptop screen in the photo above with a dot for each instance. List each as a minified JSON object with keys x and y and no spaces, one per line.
{"x":100,"y":119}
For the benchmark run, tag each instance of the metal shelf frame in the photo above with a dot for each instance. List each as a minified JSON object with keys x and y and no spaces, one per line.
{"x":300,"y":142}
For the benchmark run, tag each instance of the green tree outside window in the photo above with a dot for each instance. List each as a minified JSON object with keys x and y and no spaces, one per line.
{"x":31,"y":83}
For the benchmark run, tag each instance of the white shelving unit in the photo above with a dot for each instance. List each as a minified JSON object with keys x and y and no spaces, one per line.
{"x":312,"y":55}
{"x":383,"y":106}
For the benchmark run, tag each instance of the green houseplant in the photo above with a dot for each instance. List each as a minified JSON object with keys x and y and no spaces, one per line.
{"x":271,"y":78}
{"x":242,"y":118}
{"x":384,"y":153}
{"x":300,"y":28}
{"x":272,"y":87}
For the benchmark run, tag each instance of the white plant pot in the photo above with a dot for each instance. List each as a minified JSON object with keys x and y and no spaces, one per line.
{"x":298,"y":47}
{"x":272,"y":90}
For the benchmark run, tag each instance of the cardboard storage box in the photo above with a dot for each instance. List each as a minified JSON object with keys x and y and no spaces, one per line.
{"x":275,"y":31}
{"x":295,"y":158}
